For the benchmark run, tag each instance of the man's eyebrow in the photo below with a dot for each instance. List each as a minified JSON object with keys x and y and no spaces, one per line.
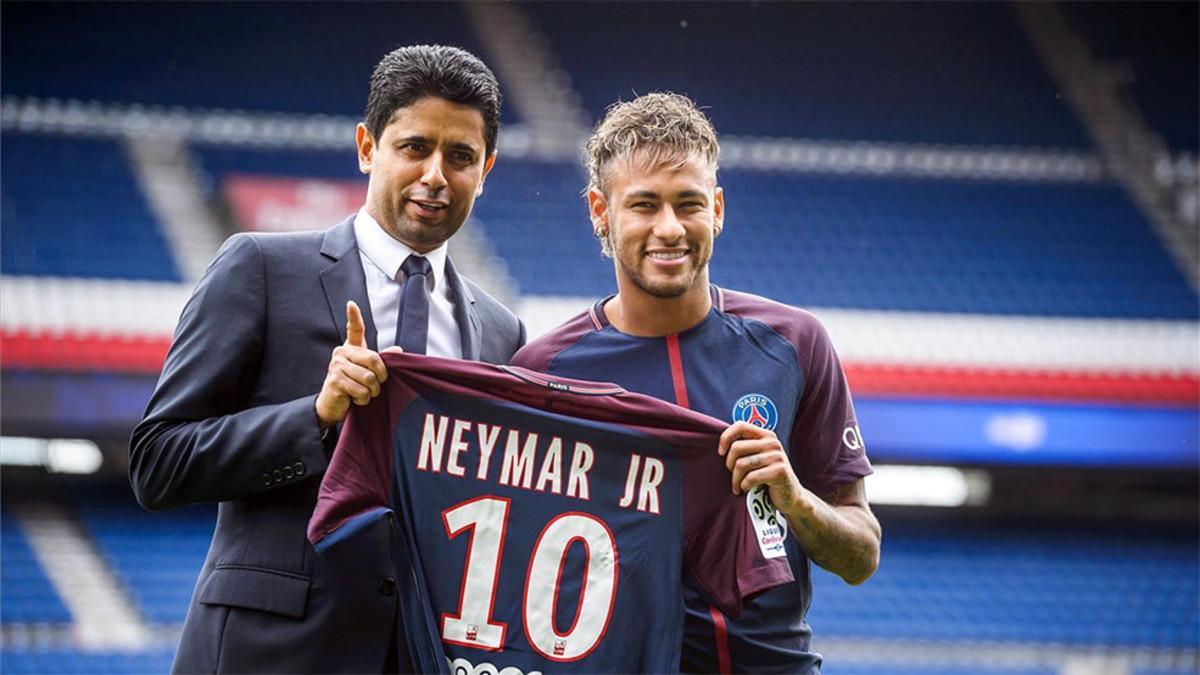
{"x":412,"y":139}
{"x":644,"y":194}
{"x":463,"y":145}
{"x":691,"y":193}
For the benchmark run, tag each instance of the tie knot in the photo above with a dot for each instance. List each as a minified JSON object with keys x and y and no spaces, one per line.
{"x":415,"y":264}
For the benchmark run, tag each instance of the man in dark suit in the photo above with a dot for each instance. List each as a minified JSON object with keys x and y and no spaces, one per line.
{"x":247,"y":407}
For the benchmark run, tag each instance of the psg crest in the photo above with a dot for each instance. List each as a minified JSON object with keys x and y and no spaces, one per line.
{"x":757,"y":410}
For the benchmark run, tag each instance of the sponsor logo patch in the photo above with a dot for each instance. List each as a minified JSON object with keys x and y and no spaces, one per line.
{"x":757,"y":410}
{"x":852,"y":437}
{"x":465,"y":667}
{"x":770,"y":528}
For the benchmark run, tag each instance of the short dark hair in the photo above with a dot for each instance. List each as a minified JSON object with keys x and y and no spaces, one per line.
{"x":407,"y":74}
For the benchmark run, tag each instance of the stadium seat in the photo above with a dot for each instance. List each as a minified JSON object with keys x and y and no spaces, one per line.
{"x":26,"y":594}
{"x":72,"y":208}
{"x":908,"y":74}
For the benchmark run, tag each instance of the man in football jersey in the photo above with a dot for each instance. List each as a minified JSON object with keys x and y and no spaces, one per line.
{"x":280,"y":338}
{"x":768,"y":368}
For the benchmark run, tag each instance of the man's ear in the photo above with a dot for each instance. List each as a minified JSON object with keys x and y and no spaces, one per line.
{"x":598,"y":210}
{"x":718,"y":211}
{"x":487,"y":168}
{"x":366,"y":147}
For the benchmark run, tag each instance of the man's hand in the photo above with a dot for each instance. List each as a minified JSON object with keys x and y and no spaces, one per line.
{"x":756,"y":457}
{"x":836,"y":531}
{"x":355,"y":373}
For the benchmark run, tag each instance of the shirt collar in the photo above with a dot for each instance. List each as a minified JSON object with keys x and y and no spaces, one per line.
{"x":387,"y":253}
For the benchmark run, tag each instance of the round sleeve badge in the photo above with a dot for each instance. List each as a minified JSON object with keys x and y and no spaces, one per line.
{"x":757,"y":410}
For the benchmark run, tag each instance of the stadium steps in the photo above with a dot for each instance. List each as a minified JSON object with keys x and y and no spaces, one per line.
{"x":101,"y":613}
{"x":171,"y":183}
{"x":27,"y":597}
{"x":534,"y":82}
{"x":1129,"y":146}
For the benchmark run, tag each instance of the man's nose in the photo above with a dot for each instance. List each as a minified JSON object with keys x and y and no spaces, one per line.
{"x":433,"y":177}
{"x":668,"y":226}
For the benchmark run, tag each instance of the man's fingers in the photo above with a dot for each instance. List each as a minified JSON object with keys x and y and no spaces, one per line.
{"x":740,"y":430}
{"x":742,"y":448}
{"x":357,"y":392}
{"x":364,"y":376}
{"x":355,"y":330}
{"x":757,"y":477}
{"x":365,"y":358}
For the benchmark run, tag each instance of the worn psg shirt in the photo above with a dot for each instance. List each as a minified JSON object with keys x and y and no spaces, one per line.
{"x":546,"y":523}
{"x":752,"y":360}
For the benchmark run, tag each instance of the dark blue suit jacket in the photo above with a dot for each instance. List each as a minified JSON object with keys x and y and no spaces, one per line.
{"x":232,"y":420}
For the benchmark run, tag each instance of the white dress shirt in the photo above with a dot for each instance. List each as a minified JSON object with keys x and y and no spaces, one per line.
{"x":381,"y":259}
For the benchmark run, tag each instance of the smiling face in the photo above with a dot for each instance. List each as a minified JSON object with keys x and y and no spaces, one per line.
{"x":426,"y":170}
{"x":660,"y":218}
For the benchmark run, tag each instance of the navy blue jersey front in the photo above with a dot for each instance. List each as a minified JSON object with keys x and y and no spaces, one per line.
{"x":545,"y":524}
{"x":750,"y":360}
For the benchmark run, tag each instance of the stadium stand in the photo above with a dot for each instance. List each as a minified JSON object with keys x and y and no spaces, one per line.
{"x":166,"y":56}
{"x":219,"y":161}
{"x":72,"y":208}
{"x":1153,"y":49}
{"x":911,"y":73}
{"x":1021,"y":585}
{"x":75,"y":662}
{"x":1054,"y":256}
{"x":872,"y":243}
{"x":157,"y":559}
{"x":26,"y":596}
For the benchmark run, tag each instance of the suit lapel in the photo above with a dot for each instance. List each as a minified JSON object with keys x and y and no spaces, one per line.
{"x":464,"y":314}
{"x":344,"y":280}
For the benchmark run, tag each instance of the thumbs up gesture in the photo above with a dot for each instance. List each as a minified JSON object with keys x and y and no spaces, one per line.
{"x":355,"y":373}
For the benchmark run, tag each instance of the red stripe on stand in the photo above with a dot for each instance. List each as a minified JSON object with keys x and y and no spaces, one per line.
{"x":85,"y":352}
{"x":1061,"y":385}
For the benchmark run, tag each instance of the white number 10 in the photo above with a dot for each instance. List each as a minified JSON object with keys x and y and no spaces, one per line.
{"x":473,"y":626}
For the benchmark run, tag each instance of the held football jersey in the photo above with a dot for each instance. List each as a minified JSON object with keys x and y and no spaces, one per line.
{"x":752,"y":360}
{"x":546,"y":522}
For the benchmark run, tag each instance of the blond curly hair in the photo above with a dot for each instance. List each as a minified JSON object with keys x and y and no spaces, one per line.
{"x":667,"y":128}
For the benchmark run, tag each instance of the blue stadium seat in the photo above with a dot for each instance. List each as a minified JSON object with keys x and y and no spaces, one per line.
{"x":222,"y":160}
{"x":156,"y":556}
{"x":1071,"y":588}
{"x":26,"y":595}
{"x":72,"y":207}
{"x":301,"y":60}
{"x":906,"y":73}
{"x":1157,"y":41}
{"x":28,"y":661}
{"x":871,"y":243}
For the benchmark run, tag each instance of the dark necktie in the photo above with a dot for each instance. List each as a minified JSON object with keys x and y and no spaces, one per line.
{"x":412,"y":324}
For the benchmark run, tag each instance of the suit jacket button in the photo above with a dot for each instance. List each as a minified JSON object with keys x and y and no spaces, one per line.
{"x":387,"y":586}
{"x":289,"y":473}
{"x":298,"y":467}
{"x":266,"y":477}
{"x":277,"y":475}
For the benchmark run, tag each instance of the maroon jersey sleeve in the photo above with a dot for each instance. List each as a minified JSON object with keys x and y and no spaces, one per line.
{"x":358,"y":478}
{"x":826,"y":445}
{"x":538,"y":354}
{"x":731,"y":550}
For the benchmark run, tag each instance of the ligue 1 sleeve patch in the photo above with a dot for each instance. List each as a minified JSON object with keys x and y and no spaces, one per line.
{"x":757,"y":410}
{"x":770,"y":528}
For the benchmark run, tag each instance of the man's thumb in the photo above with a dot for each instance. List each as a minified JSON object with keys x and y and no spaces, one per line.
{"x":354,"y":326}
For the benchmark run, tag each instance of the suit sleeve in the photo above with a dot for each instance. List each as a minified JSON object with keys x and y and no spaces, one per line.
{"x":198,"y":440}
